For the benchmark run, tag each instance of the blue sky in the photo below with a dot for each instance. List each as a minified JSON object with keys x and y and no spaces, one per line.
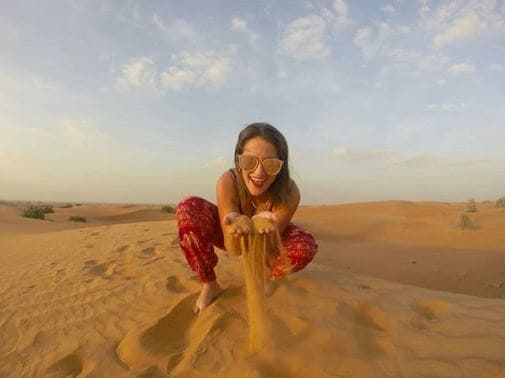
{"x":142,"y":101}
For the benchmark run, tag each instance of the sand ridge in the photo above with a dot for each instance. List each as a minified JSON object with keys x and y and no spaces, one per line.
{"x":116,"y":300}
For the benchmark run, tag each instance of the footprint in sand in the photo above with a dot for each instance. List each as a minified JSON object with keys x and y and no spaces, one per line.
{"x":174,"y":285}
{"x":373,"y":317}
{"x":174,"y":242}
{"x":161,"y":344}
{"x":122,"y":248}
{"x":60,"y":273}
{"x":104,"y":269}
{"x":364,"y":286}
{"x":427,"y":312}
{"x":371,"y":327}
{"x":149,"y":251}
{"x":178,"y":336}
{"x":69,"y":366}
{"x":152,"y":372}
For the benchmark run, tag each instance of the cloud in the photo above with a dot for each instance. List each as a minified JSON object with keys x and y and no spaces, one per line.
{"x":413,"y":60}
{"x":188,"y":69}
{"x":177,"y":29}
{"x":446,"y":107}
{"x":397,"y":158}
{"x":497,"y":67}
{"x":461,"y":21}
{"x":196,"y":69}
{"x":342,"y":12}
{"x":461,"y":69}
{"x":240,"y":25}
{"x":304,"y":38}
{"x":389,"y":10}
{"x":359,"y":155}
{"x":463,"y":28}
{"x":370,"y":41}
{"x":138,"y":73}
{"x":336,"y":16}
{"x":403,"y":29}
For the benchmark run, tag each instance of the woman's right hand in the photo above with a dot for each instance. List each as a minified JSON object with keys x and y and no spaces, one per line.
{"x":238,"y":224}
{"x":237,"y":228}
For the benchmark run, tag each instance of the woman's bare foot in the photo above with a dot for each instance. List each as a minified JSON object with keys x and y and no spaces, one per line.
{"x":210,"y":290}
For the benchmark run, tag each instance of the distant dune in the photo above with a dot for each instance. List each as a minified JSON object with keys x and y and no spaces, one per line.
{"x":12,"y":222}
{"x":396,"y":290}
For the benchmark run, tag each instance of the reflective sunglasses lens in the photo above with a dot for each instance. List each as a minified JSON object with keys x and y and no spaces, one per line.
{"x":247,"y":162}
{"x":272,"y":166}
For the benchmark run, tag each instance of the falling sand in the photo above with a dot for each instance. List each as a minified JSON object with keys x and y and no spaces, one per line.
{"x":253,"y":258}
{"x":255,"y":250}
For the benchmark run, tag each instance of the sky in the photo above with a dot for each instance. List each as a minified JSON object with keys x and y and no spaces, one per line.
{"x":142,"y":101}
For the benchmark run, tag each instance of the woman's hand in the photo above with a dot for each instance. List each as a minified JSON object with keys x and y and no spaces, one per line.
{"x":237,"y":228}
{"x":239,"y":224}
{"x":264,"y":222}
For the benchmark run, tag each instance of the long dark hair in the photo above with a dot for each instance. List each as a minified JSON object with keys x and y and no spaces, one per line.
{"x":280,"y":188}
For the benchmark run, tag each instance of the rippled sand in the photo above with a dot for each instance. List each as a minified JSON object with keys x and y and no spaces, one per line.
{"x":114,"y":297}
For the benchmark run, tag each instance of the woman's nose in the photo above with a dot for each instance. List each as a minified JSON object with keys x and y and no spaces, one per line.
{"x":259,"y":170}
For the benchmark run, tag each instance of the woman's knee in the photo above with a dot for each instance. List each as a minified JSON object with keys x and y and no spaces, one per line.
{"x":189,"y":207}
{"x":301,"y":247}
{"x":188,"y":203}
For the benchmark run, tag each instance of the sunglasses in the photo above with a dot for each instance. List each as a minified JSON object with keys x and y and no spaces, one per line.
{"x":271,"y":166}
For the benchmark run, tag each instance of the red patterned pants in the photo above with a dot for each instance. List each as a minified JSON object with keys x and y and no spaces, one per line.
{"x":200,"y":231}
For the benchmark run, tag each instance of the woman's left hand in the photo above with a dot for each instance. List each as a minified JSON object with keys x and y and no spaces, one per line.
{"x":264,"y":223}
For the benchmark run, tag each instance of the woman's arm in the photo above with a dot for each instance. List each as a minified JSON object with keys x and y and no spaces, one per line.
{"x":233,"y":223}
{"x":282,"y":214}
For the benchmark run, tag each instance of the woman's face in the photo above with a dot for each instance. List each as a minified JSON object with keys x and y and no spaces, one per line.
{"x":258,"y":181}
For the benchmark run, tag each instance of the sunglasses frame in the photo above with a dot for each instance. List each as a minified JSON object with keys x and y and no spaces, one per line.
{"x":258,"y":161}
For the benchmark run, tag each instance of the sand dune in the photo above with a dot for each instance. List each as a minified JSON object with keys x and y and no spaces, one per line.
{"x":115,"y":300}
{"x":96,"y":214}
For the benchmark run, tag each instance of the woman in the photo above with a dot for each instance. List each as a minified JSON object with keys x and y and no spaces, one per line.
{"x":257,"y":191}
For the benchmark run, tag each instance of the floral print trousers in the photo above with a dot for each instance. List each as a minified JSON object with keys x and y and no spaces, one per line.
{"x":200,"y":231}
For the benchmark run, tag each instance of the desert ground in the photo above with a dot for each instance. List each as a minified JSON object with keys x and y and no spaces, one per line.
{"x":396,"y":290}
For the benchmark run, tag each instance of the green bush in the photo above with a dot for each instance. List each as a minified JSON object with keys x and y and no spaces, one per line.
{"x":168,"y":209}
{"x":467,"y":223}
{"x":77,"y":218}
{"x":66,"y":206}
{"x":500,"y":202}
{"x":471,"y":207}
{"x":34,"y":212}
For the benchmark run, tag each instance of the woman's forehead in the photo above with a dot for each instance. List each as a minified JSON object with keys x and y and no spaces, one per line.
{"x":260,"y":147}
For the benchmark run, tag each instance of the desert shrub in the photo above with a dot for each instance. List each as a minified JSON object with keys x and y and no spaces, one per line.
{"x":45,"y":209}
{"x":77,"y":204}
{"x":467,"y":223}
{"x":35,"y":212}
{"x":500,"y":202}
{"x":66,"y":206}
{"x":168,"y":209}
{"x":471,"y":207}
{"x":77,"y":218}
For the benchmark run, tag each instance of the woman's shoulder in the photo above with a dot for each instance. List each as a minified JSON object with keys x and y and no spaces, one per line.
{"x":228,"y":178}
